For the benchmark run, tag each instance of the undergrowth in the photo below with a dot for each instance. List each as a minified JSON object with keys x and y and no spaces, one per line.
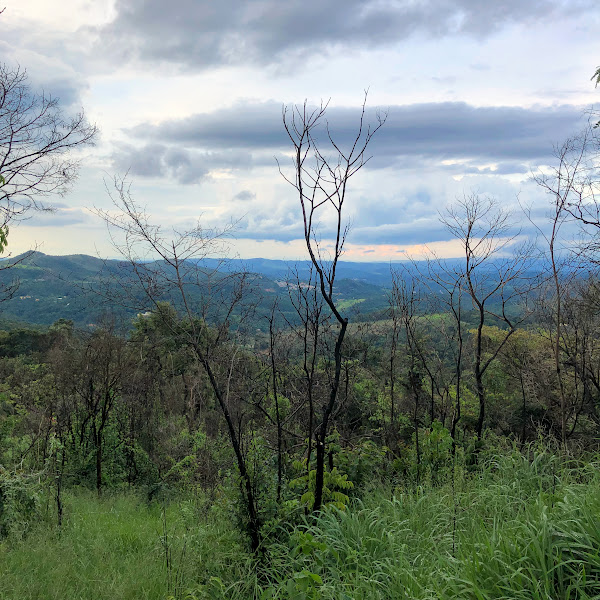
{"x":521,"y":527}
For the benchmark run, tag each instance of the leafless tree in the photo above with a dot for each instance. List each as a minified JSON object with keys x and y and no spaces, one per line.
{"x":37,"y":141}
{"x":98,"y":374}
{"x":276,"y":356}
{"x":36,"y":144}
{"x":445,"y":287}
{"x":308,"y":304}
{"x":427,"y":289}
{"x":573,"y":185}
{"x":494,"y":283}
{"x":321,"y":180}
{"x":579,"y":352}
{"x":394,"y":335}
{"x":404,"y":301}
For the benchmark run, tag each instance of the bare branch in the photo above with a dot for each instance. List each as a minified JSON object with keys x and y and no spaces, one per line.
{"x":36,"y":144}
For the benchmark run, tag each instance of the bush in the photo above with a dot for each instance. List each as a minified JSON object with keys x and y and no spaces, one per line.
{"x":20,"y":502}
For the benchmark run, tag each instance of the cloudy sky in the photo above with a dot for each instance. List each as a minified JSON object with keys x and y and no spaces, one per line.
{"x":188,"y":97}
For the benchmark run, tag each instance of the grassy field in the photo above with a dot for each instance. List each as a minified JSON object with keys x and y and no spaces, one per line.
{"x":519,"y":529}
{"x":345,"y":304}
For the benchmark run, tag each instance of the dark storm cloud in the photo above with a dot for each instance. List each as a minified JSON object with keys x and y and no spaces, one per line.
{"x":197,"y":34}
{"x":250,"y":125}
{"x":414,"y":136}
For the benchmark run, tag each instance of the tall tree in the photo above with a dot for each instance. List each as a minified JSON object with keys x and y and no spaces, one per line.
{"x":322,"y":170}
{"x":572,"y":184}
{"x":167,"y":266}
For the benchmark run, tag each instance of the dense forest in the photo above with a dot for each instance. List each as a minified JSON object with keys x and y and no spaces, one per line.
{"x":211,"y":436}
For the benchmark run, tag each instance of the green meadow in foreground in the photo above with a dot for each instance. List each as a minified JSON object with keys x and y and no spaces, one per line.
{"x":521,"y":528}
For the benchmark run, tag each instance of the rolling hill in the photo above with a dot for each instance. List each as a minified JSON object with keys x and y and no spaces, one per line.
{"x":86,"y":289}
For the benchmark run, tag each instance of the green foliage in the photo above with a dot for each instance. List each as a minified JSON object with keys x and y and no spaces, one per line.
{"x":10,"y":419}
{"x":23,"y":341}
{"x":434,"y":461}
{"x":193,"y":457}
{"x":333,"y":484}
{"x":523,"y":527}
{"x":20,"y":502}
{"x":3,"y":238}
{"x":436,"y":451}
{"x":212,"y":590}
{"x":111,"y":548}
{"x":359,"y":462}
{"x":410,"y":521}
{"x":303,"y":586}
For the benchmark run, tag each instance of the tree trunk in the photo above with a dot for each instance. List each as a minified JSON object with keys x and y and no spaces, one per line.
{"x":323,"y":429}
{"x":98,"y":443}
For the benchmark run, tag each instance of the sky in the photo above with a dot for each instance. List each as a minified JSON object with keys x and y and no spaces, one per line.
{"x":188,"y":98}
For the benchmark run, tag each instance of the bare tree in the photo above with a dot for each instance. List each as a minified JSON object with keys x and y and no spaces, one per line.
{"x":274,"y":354}
{"x":573,"y":186}
{"x":492,"y":282}
{"x":394,"y":333}
{"x":36,"y":144}
{"x":435,"y":285}
{"x":308,"y":304}
{"x":98,"y":372}
{"x":321,"y":181}
{"x":581,"y":349}
{"x":446,"y":292}
{"x":404,"y":302}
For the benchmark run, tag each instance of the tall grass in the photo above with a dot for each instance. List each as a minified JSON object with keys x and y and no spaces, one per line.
{"x":116,"y":548}
{"x":520,"y":528}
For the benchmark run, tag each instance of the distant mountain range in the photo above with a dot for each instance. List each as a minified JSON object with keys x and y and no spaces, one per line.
{"x":69,"y":287}
{"x":375,"y":273}
{"x":54,"y":287}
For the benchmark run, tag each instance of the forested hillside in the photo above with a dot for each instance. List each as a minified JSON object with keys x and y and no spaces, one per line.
{"x":81,"y":288}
